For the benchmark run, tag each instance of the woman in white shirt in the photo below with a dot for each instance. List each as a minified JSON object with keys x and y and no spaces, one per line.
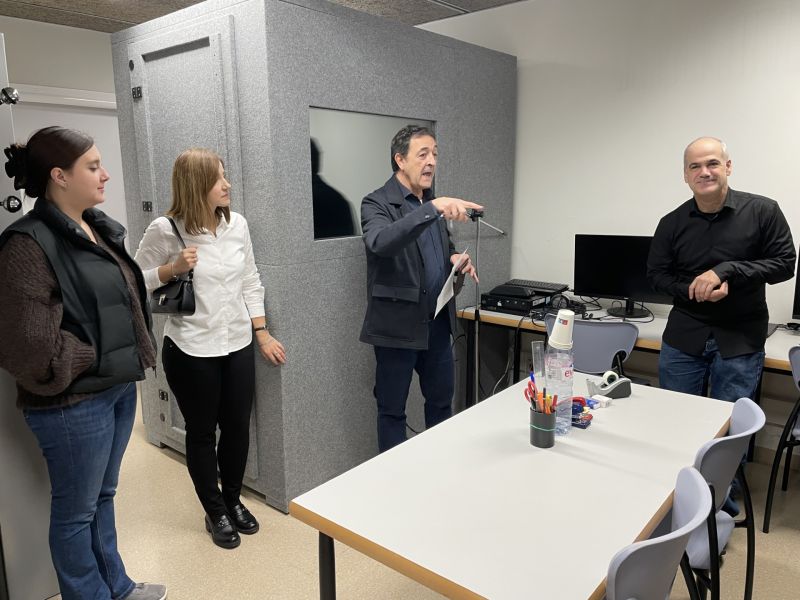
{"x":208,"y":357}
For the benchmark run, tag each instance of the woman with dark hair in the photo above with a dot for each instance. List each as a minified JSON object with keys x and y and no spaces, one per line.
{"x":208,"y":356}
{"x":76,"y":337}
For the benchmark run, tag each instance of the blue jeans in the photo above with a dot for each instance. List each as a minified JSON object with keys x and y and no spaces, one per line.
{"x":728,"y":378}
{"x":393,"y":372}
{"x":83,"y":445}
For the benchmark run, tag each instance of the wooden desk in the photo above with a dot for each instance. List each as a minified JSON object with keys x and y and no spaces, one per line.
{"x":776,"y":347}
{"x":470,"y":509}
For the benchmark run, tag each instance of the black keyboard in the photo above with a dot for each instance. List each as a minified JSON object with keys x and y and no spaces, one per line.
{"x":543,"y":288}
{"x":771,"y":327}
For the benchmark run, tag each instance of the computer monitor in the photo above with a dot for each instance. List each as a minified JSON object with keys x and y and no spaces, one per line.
{"x":796,"y":306}
{"x":615,"y":266}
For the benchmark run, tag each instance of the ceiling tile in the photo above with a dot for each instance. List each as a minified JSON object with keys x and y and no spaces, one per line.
{"x":475,"y":5}
{"x":137,"y":11}
{"x":24,"y":10}
{"x":410,"y":12}
{"x":113,"y":15}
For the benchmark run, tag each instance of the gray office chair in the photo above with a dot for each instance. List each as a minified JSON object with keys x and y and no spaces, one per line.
{"x":646,"y":570}
{"x":599,"y":345}
{"x":788,"y":440}
{"x":719,"y":461}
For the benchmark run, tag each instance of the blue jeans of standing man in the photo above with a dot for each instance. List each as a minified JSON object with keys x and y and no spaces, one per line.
{"x":393,"y":372}
{"x":83,"y":445}
{"x":728,"y":378}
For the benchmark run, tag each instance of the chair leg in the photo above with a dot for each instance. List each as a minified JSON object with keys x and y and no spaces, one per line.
{"x":703,"y":583}
{"x":713,"y":547}
{"x":749,"y":522}
{"x":787,"y":465}
{"x":688,"y":577}
{"x":776,"y":463}
{"x":773,"y":476}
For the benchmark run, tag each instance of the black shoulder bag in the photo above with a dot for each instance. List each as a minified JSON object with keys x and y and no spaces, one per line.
{"x":175,"y":297}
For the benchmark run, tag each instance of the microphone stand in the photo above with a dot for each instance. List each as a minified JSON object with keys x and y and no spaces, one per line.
{"x":477,"y":216}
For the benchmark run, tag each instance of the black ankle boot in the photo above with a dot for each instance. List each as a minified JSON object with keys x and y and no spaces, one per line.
{"x":222,"y":531}
{"x":243,"y":519}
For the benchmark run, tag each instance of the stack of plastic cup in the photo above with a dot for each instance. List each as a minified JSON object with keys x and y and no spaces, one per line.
{"x":558,"y":369}
{"x":561,"y":337}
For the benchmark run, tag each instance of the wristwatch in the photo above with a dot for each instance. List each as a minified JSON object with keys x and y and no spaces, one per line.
{"x":261,"y":328}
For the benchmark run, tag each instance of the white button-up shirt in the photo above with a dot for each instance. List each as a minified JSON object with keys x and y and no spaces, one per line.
{"x":227,"y":288}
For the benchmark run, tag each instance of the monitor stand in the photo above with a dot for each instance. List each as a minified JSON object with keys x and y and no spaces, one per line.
{"x":629,"y":311}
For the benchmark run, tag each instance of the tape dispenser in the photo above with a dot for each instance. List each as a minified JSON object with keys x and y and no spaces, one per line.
{"x":612,"y":386}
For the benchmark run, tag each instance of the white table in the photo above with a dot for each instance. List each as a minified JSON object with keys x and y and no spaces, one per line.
{"x":472,"y":510}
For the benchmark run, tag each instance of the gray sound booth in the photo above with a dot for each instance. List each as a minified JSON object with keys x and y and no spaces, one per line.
{"x":242,"y":77}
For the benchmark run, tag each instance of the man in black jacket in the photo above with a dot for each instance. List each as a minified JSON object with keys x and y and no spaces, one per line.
{"x":409,"y":257}
{"x":714,"y":254}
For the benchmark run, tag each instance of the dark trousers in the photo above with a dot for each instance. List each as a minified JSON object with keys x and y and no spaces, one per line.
{"x":394,"y":369}
{"x":214,"y":391}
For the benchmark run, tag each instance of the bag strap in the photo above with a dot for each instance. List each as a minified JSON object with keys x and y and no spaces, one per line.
{"x":177,"y":233}
{"x":190,"y":274}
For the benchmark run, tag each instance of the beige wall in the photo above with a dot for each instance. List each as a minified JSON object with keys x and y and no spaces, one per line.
{"x":57,"y":56}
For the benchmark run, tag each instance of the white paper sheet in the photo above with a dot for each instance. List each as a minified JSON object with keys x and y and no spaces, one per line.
{"x":447,"y":288}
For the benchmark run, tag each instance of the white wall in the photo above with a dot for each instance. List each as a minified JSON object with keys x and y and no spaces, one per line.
{"x":57,"y":56}
{"x":68,"y":74}
{"x":611,"y":91}
{"x":100,"y":124}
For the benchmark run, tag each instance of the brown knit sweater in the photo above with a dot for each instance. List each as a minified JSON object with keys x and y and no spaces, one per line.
{"x":43,"y":358}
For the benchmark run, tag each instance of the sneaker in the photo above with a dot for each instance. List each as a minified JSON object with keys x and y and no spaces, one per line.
{"x":148,"y":591}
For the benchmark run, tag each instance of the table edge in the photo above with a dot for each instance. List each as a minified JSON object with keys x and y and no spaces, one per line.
{"x":410,"y":569}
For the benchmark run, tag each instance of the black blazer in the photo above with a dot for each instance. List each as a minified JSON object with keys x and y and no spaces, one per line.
{"x":397,"y":313}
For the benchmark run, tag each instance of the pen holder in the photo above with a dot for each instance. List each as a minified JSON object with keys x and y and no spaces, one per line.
{"x":543,"y":429}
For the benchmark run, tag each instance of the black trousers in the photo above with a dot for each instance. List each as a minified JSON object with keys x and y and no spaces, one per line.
{"x":213,"y":391}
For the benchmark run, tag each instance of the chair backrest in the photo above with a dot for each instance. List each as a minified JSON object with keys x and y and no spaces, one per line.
{"x":645,"y":570}
{"x":718,"y":459}
{"x":794,"y":361}
{"x":596,"y":343}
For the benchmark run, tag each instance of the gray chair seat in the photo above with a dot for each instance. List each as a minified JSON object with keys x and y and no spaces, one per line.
{"x":645,"y":570}
{"x":719,"y":461}
{"x":697,"y":548}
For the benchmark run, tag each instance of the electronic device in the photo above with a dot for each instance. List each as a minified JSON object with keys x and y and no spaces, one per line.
{"x":512,"y":304}
{"x":542,"y":288}
{"x":557,"y":303}
{"x":796,"y":306}
{"x":615,"y":266}
{"x":515,"y":291}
